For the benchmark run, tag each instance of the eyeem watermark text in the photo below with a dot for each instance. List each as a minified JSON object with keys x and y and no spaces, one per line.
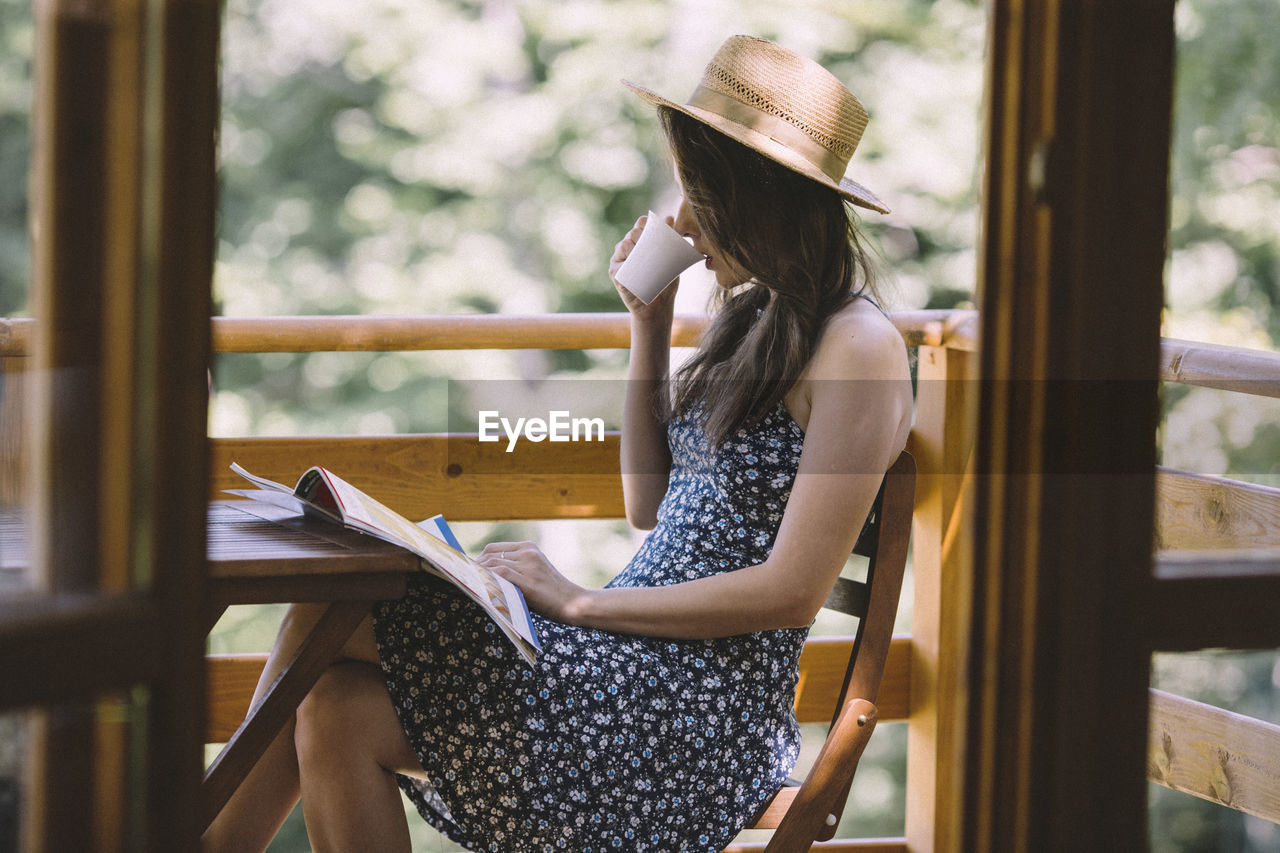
{"x":558,"y":426}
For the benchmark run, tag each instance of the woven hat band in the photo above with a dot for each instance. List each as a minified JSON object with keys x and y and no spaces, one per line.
{"x":775,"y":127}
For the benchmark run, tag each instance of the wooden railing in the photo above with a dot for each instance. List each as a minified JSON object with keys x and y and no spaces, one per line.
{"x":1213,"y":537}
{"x":1205,"y":524}
{"x":420,"y":474}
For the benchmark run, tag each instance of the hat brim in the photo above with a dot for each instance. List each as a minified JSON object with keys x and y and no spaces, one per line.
{"x":761,"y":143}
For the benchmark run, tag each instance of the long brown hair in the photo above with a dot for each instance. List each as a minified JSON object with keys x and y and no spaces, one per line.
{"x":798,"y":241}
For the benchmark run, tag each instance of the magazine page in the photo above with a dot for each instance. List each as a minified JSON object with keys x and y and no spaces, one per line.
{"x":505,"y":598}
{"x":300,"y":498}
{"x":261,"y":482}
{"x":363,"y":511}
{"x":519,"y":608}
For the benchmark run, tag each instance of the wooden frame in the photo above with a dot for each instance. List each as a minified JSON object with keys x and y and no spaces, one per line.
{"x":1075,"y":220}
{"x":126,"y":115}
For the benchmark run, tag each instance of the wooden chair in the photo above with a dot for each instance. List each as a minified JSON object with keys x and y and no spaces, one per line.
{"x":803,"y":813}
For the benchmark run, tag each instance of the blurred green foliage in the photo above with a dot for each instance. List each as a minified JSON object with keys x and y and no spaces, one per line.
{"x":1223,"y":279}
{"x":447,"y":156}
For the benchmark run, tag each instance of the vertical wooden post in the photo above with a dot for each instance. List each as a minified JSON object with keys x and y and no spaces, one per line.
{"x":72,"y":153}
{"x":1078,"y":142}
{"x":942,"y":443}
{"x":127,"y":113}
{"x":178,"y":222}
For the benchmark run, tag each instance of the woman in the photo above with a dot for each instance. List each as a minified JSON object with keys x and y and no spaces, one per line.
{"x":659,"y":716}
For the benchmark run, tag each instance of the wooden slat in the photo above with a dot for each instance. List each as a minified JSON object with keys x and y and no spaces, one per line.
{"x":777,"y":808}
{"x":1200,"y":512}
{"x":822,"y":667}
{"x":848,"y":596}
{"x":421,"y":475}
{"x":76,"y":647}
{"x":1214,"y":366}
{"x":1213,"y":610}
{"x":942,"y":549}
{"x":1214,"y":754}
{"x":444,"y":332}
{"x":231,"y":679}
{"x":854,"y":845}
{"x":366,"y":333}
{"x":14,"y":387}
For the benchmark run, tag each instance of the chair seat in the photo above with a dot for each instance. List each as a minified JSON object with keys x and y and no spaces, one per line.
{"x":773,"y":813}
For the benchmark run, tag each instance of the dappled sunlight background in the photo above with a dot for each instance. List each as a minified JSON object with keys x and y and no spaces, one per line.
{"x":481,"y":156}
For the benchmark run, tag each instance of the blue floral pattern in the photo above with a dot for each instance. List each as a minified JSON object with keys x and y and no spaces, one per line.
{"x":611,"y":742}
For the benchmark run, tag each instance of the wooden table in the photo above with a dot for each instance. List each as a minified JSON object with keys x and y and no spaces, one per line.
{"x":258,"y":554}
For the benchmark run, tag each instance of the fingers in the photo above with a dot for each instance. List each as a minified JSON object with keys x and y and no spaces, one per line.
{"x":623,"y":249}
{"x":509,"y":546}
{"x":506,"y":552}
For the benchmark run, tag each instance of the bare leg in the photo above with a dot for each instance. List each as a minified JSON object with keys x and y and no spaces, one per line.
{"x":253,"y":815}
{"x":349,"y":746}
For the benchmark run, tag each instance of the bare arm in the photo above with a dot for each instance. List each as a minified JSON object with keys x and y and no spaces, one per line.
{"x":645,"y":458}
{"x":860,"y":410}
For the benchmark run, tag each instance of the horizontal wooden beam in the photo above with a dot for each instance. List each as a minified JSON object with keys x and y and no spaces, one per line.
{"x":1214,"y":754}
{"x":380,"y":333}
{"x":17,"y":337}
{"x":366,"y":333}
{"x":422,"y":475}
{"x":1209,"y":609}
{"x":231,"y":680}
{"x":822,"y":667}
{"x":1187,"y":362}
{"x":66,"y":648}
{"x":1215,"y":366}
{"x":1199,"y":512}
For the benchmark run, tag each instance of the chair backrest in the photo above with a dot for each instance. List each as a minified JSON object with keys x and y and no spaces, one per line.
{"x":810,"y":812}
{"x":884,"y":541}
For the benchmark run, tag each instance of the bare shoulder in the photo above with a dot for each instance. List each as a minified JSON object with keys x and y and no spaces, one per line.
{"x":855,"y":393}
{"x":859,"y":342}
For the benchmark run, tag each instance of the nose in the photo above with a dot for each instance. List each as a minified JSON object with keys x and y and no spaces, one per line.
{"x":686,"y":225}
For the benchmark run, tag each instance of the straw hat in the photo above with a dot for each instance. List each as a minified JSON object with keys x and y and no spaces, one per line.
{"x":784,"y":106}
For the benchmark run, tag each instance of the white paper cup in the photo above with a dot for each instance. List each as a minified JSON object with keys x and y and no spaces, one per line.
{"x":659,"y":256}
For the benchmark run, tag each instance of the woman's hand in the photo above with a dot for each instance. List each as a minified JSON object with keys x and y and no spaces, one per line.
{"x":663,"y":305}
{"x":545,"y":590}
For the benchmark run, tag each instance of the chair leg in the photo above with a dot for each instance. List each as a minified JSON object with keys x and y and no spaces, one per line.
{"x":817,"y":806}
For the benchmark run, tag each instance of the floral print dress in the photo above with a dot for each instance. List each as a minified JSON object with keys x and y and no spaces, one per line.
{"x":611,"y":741}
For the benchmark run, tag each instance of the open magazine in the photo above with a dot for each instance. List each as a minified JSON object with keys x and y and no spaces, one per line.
{"x":321,"y":493}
